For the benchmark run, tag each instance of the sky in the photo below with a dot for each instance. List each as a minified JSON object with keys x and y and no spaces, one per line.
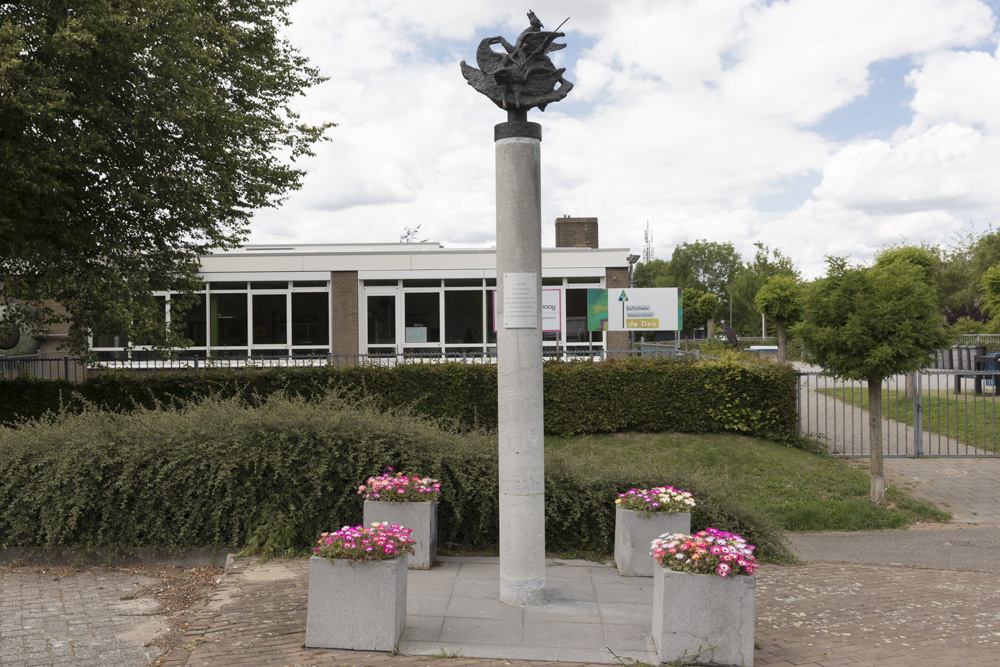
{"x":819,"y":128}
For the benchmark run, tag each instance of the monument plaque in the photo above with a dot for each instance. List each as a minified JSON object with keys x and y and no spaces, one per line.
{"x":520,"y":300}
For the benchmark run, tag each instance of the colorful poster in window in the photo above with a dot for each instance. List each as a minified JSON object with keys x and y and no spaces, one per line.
{"x":597,"y":310}
{"x":645,"y":309}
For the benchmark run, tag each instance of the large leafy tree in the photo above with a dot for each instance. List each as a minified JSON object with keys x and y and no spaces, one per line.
{"x":766,"y":264}
{"x":135,"y":135}
{"x":704,"y":265}
{"x":645,"y":273}
{"x":868,"y":323}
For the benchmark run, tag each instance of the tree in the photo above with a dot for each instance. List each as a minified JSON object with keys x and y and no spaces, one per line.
{"x":693,"y":319}
{"x":991,"y":288}
{"x":409,"y":235}
{"x":707,"y":306}
{"x":134,"y":136}
{"x":645,"y":274}
{"x":704,"y":265}
{"x":867,"y":324}
{"x":780,"y":301}
{"x":748,"y":281}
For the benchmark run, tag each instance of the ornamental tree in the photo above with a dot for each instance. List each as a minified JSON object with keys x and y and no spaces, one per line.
{"x":779,"y":299}
{"x":868,"y":323}
{"x":134,"y":136}
{"x":707,"y":306}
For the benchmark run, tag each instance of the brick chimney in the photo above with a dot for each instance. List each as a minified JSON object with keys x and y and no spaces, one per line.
{"x":576,"y":232}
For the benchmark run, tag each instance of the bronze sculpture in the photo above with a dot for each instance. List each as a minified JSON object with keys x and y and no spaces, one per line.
{"x":522,"y":78}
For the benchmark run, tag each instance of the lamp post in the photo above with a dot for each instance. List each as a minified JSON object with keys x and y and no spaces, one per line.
{"x":632,"y":259}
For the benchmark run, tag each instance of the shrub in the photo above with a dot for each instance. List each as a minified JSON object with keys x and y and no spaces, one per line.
{"x":224,"y":473}
{"x":580,"y":397}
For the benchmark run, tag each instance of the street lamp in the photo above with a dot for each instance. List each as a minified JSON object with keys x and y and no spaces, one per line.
{"x":632,"y":259}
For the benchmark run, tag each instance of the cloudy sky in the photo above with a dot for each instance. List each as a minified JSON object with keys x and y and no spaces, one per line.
{"x":815,"y":126}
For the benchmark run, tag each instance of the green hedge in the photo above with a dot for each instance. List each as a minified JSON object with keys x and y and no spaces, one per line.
{"x":222,"y":474}
{"x":580,"y":397}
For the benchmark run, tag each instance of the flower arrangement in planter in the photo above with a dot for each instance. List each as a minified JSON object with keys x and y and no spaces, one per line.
{"x":640,"y":516}
{"x":704,"y":593}
{"x":407,"y":500}
{"x":362,"y":569}
{"x":380,"y":542}
{"x":709,"y":551}
{"x":400,"y":488}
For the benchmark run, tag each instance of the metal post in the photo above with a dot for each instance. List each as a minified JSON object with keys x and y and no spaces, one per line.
{"x":918,"y":416}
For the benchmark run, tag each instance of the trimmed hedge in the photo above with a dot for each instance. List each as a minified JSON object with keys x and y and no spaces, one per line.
{"x":580,"y":397}
{"x":223,"y":474}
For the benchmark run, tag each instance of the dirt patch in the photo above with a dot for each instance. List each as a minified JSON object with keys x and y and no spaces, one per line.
{"x":178,"y":591}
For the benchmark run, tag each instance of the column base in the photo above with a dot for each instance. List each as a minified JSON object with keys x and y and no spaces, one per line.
{"x":522,"y":592}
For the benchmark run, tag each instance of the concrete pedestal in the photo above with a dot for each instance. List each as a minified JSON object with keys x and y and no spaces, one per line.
{"x":704,"y":613}
{"x":635,"y":531}
{"x":358,"y":606}
{"x":421,"y":518}
{"x":519,"y":363}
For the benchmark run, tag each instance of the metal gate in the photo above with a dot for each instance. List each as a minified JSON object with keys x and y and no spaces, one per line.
{"x":931,"y":413}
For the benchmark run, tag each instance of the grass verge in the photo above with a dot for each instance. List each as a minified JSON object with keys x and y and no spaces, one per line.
{"x":798,"y":490}
{"x":968,"y":418}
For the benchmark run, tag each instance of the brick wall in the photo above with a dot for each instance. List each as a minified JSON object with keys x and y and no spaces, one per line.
{"x":576,"y":232}
{"x":344,"y":308}
{"x":615,"y":280}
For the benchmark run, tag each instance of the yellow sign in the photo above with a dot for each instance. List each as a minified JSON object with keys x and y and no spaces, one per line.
{"x":647,"y":323}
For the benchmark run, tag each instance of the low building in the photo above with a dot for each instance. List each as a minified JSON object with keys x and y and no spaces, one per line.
{"x":299,"y":301}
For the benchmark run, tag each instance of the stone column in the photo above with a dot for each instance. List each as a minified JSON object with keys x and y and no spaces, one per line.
{"x":519,"y":362}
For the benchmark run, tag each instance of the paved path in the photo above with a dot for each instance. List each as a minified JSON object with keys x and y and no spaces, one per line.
{"x":87,"y":618}
{"x":818,"y":615}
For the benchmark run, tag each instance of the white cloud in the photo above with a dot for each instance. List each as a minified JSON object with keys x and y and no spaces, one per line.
{"x":946,"y":167}
{"x":685,"y":113}
{"x":961,"y":87}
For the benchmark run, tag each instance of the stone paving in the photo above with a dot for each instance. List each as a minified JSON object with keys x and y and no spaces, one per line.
{"x":86,"y":618}
{"x":818,"y":615}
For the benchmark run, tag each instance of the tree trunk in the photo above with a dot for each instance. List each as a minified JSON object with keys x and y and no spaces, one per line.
{"x":875,"y":444}
{"x":909,"y":386}
{"x":711,"y":327}
{"x":782,"y":342}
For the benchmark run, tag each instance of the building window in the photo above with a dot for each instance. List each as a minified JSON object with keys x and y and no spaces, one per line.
{"x":310,"y":318}
{"x":382,"y":320}
{"x":270,"y":319}
{"x":236,"y":319}
{"x":228,"y":319}
{"x":463,"y":317}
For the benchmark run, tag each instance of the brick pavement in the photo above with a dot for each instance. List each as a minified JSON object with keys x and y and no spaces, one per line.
{"x":87,"y":618}
{"x":817,"y":615}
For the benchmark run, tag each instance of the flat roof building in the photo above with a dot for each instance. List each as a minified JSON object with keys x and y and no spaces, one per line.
{"x":311,"y":300}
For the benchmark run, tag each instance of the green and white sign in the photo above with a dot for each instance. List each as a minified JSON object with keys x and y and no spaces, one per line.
{"x":645,"y":309}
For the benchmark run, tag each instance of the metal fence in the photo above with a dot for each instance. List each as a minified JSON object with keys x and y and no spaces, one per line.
{"x":75,"y":369}
{"x":39,"y":366}
{"x":943,"y":413}
{"x":991,"y":342}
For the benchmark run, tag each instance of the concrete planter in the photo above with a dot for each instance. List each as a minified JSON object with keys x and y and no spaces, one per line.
{"x":358,"y":606}
{"x":421,"y":518}
{"x":704,"y":612}
{"x":634,"y":533}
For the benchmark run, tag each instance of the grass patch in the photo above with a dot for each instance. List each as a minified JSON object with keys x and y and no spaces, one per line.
{"x":797,"y":490}
{"x":965,"y":417}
